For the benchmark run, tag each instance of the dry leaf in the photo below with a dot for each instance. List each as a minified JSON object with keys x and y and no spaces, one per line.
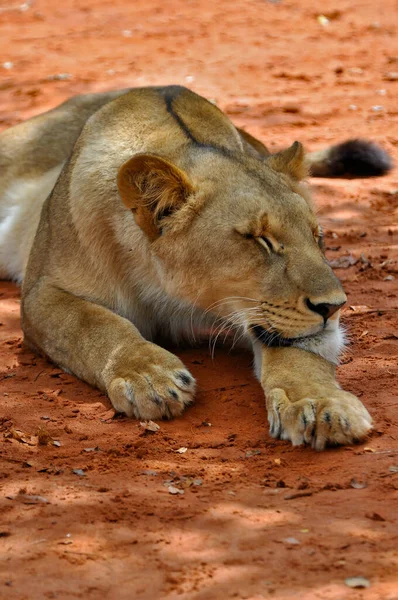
{"x":343,"y":262}
{"x":150,"y":426}
{"x":359,"y":308}
{"x":20,"y":436}
{"x":374,"y":516}
{"x":43,"y":436}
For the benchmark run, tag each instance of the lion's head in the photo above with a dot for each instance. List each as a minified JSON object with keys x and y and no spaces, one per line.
{"x":237,"y":235}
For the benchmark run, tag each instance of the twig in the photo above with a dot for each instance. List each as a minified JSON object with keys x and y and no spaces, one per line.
{"x":38,"y":375}
{"x":368,"y":312}
{"x":299,"y":495}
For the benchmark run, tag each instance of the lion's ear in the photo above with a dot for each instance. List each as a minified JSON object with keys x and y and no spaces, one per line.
{"x":152,"y":188}
{"x":290,"y":161}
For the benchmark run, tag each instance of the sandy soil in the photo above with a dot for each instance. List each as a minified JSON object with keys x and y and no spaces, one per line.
{"x":92,"y":516}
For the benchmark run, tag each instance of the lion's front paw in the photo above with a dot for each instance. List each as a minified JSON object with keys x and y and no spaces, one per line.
{"x":158,"y":387}
{"x":339,"y":418}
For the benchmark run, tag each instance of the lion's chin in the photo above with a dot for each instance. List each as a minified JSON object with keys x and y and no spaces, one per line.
{"x":329,"y":342}
{"x":272,"y":339}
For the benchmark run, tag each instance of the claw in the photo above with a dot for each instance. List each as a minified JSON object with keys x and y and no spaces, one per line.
{"x":340,"y":419}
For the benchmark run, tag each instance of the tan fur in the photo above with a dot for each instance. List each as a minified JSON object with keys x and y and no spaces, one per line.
{"x":165,"y":220}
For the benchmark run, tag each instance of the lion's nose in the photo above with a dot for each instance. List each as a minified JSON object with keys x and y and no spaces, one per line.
{"x":324,"y":309}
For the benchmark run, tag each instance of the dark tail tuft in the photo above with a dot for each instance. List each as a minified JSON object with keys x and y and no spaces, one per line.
{"x":354,"y":158}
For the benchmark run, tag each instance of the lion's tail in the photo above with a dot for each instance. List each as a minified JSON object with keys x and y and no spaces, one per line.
{"x":354,"y":158}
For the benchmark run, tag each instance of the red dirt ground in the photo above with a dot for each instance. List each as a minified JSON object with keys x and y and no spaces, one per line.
{"x":116,"y":532}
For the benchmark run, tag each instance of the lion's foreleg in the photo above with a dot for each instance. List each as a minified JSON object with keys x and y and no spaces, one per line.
{"x":107,"y":351}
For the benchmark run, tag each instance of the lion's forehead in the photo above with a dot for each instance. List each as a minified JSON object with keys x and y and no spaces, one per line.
{"x":280,"y":215}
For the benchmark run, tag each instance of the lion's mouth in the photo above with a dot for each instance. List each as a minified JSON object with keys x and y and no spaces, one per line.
{"x":272,"y":339}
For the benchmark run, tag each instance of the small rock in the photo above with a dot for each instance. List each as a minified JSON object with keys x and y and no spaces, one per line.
{"x":59,"y":77}
{"x":322,"y":20}
{"x":181,"y":450}
{"x":8,"y":65}
{"x":173,"y":490}
{"x":57,"y":443}
{"x":355,"y":70}
{"x":79,"y":472}
{"x":358,"y":485}
{"x":357,"y":582}
{"x":291,"y":540}
{"x":391,"y":76}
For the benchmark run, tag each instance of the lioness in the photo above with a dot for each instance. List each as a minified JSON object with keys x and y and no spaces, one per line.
{"x":159,"y":216}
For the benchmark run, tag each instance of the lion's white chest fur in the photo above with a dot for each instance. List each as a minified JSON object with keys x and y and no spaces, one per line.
{"x":20,"y":205}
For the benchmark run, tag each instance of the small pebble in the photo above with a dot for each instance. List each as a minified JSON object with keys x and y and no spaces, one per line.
{"x":322,"y":20}
{"x":392,"y":76}
{"x":291,"y":540}
{"x":357,"y":582}
{"x":79,"y":472}
{"x":59,"y":77}
{"x":173,"y":490}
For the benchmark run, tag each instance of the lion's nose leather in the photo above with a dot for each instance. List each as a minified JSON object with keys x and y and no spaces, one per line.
{"x":324,"y":309}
